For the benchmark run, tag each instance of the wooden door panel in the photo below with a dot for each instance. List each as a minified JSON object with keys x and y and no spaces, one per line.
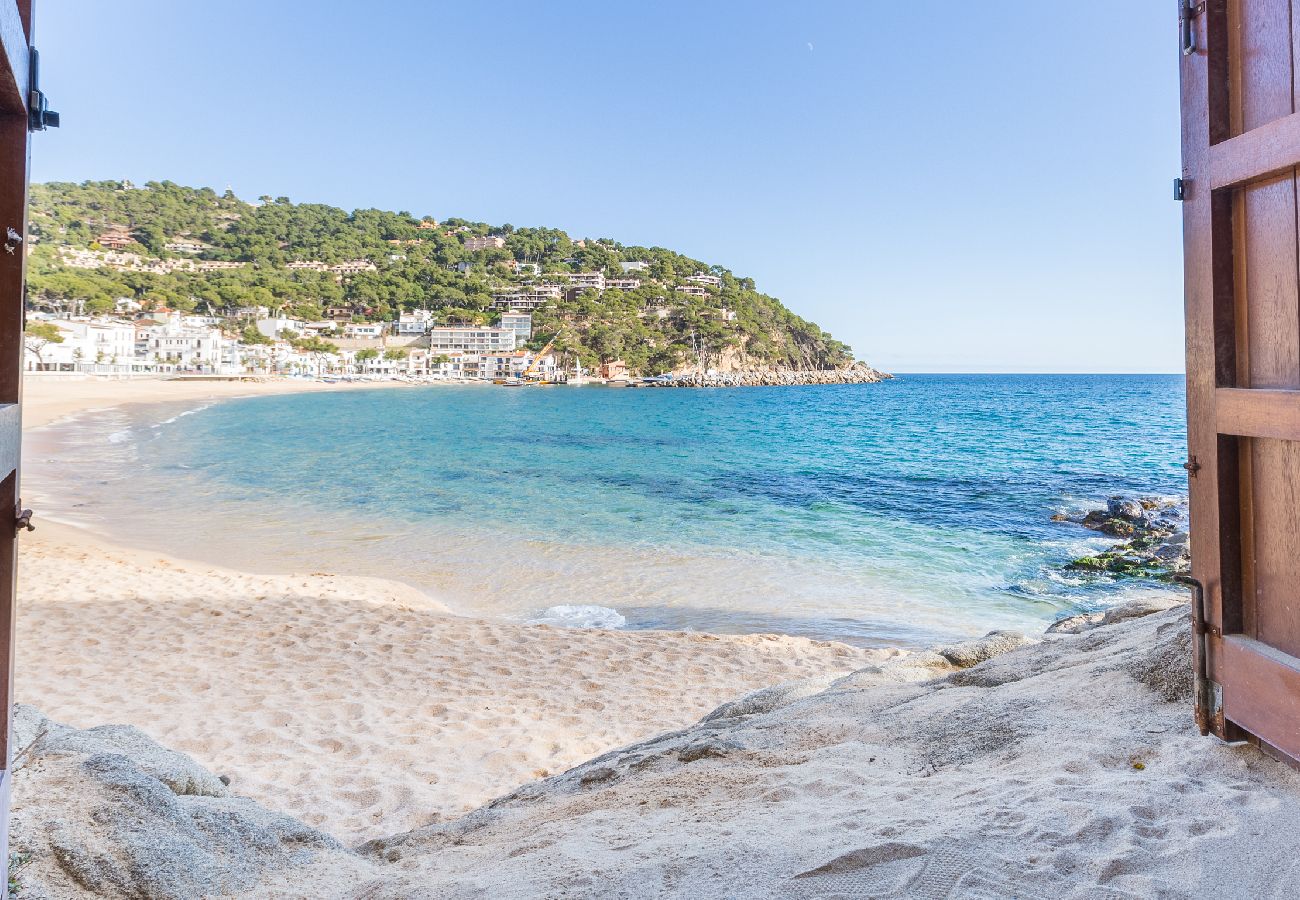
{"x":1268,"y":296}
{"x":1271,"y":611}
{"x":1260,"y":50}
{"x":1261,"y":691}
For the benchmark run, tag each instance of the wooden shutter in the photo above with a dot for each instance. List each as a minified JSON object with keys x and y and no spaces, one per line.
{"x":15,"y":92}
{"x":1241,"y":147}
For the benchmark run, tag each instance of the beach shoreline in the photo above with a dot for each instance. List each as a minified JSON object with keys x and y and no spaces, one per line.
{"x":360,"y":705}
{"x":47,"y":400}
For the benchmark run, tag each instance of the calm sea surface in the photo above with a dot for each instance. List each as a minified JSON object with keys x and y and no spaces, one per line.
{"x":898,"y":513}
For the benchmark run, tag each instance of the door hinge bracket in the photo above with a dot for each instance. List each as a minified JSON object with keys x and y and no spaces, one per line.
{"x":39,"y":114}
{"x":1180,"y":190}
{"x":1188,"y":10}
{"x":24,"y":521}
{"x":1209,"y":709}
{"x":1192,"y":467}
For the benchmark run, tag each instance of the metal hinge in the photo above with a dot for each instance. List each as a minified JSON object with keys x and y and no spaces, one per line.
{"x":24,"y":521}
{"x":1188,"y":10}
{"x":1192,"y":467}
{"x":1180,"y":192}
{"x":39,"y":114}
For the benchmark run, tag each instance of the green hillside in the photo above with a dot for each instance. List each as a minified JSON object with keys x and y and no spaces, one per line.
{"x":654,"y":327}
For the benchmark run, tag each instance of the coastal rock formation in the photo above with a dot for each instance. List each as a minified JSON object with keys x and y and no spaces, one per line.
{"x":108,"y":812}
{"x":1135,"y":608}
{"x":1157,"y":542}
{"x":857,"y":373}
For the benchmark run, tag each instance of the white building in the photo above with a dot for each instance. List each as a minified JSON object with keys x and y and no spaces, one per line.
{"x":583,"y":280}
{"x":693,"y":290}
{"x":353,"y":267}
{"x":702,"y":278}
{"x":513,"y":365}
{"x":634,"y":266}
{"x":175,"y":346}
{"x":521,"y":323}
{"x":415,"y":322}
{"x":363,"y":330}
{"x":472,"y":339}
{"x":490,"y":242}
{"x":185,"y":245}
{"x":622,"y":284}
{"x":88,"y":345}
{"x":529,"y":298}
{"x":273,"y":328}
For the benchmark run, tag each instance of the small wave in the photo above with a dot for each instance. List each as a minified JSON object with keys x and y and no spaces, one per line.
{"x":188,"y":412}
{"x":580,"y":615}
{"x":120,"y":437}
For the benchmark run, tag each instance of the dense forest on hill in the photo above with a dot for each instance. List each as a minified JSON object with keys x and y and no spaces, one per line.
{"x":653,"y":327}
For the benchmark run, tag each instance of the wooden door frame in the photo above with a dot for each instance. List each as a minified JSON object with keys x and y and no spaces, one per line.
{"x":16,"y":60}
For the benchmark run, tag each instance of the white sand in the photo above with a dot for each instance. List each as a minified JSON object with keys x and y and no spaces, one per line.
{"x":1063,"y":770}
{"x":357,"y":705}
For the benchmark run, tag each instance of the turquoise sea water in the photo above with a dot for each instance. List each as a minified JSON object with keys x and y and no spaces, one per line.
{"x":904,"y":512}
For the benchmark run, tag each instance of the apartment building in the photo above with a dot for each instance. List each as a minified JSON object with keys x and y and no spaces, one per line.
{"x":487,"y":242}
{"x":521,"y":323}
{"x":705,"y":279}
{"x":353,"y":267}
{"x":185,"y":246}
{"x":622,"y":284}
{"x":584,"y":280}
{"x":693,"y":290}
{"x":173,"y":344}
{"x":105,"y":345}
{"x":415,"y":322}
{"x":529,"y":298}
{"x":472,"y":339}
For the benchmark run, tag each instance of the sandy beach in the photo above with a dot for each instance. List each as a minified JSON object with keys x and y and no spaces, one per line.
{"x":47,"y":400}
{"x":358,"y":705}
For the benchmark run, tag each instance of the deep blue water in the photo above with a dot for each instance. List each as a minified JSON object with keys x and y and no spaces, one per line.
{"x":901,"y":512}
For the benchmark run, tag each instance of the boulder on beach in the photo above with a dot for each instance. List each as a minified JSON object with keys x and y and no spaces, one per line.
{"x":109,"y":812}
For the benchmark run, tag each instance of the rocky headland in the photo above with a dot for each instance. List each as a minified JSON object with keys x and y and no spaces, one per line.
{"x":858,"y":373}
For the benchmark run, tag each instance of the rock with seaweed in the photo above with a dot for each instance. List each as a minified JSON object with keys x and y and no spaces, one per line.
{"x":1155,"y":529}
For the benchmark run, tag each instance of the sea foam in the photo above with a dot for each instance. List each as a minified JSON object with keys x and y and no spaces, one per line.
{"x":580,"y":615}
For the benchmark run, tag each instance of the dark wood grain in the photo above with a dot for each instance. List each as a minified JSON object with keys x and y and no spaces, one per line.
{"x":1208,"y":281}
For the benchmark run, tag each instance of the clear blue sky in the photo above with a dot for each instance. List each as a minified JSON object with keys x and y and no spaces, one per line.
{"x":946,"y":186}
